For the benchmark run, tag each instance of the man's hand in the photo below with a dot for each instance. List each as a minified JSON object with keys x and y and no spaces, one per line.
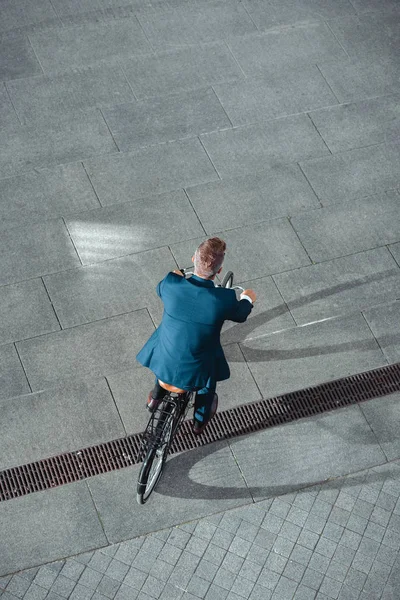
{"x":177,"y":272}
{"x":250,"y":293}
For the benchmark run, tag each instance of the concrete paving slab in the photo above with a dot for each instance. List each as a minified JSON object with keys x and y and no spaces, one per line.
{"x":276,"y":94}
{"x":57,"y":420}
{"x":28,"y":252}
{"x":339,"y":286}
{"x":18,"y":58}
{"x":48,"y":525}
{"x":25,"y":311}
{"x":195,"y":24}
{"x":96,"y":349}
{"x":88,"y":43}
{"x":307,"y":452}
{"x":37,"y":99}
{"x":166,"y":119}
{"x":367,"y":34}
{"x":8,"y":116}
{"x":270,"y":313}
{"x":345,"y":228}
{"x":20,"y":13}
{"x":244,"y":150}
{"x":74,"y":7}
{"x":356,"y":79}
{"x":45,"y":194}
{"x":241,"y":387}
{"x":130,"y":390}
{"x":133,"y":227}
{"x":274,"y":240}
{"x":193,"y":485}
{"x":374,"y":5}
{"x":12,"y":377}
{"x":275,"y":49}
{"x":359,"y":124}
{"x":305,"y":356}
{"x":354,"y":174}
{"x":290,"y":12}
{"x":22,"y":149}
{"x":383,"y":416}
{"x":281,"y":190}
{"x":181,"y":70}
{"x":150,"y":171}
{"x":111,"y":288}
{"x":383,"y":321}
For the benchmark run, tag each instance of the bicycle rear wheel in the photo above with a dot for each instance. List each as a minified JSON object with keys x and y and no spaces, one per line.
{"x":162,"y":428}
{"x":227,"y":281}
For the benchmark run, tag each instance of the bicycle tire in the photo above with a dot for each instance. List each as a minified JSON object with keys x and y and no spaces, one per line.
{"x":227,"y":281}
{"x":164,"y":430}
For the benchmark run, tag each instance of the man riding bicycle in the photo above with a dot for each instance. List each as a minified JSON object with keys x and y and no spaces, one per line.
{"x":185,"y":350}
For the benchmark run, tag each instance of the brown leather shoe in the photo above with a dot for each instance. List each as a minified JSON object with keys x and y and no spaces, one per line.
{"x":198,"y":426}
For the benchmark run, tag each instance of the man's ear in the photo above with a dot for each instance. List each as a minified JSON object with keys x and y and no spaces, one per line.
{"x":193,"y":259}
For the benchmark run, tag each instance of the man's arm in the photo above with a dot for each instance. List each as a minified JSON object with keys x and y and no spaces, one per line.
{"x":243,"y":307}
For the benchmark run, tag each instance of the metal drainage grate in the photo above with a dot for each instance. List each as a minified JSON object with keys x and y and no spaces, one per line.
{"x":110,"y":456}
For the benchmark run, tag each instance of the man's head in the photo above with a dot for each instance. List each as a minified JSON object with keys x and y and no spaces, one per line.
{"x":209,"y":257}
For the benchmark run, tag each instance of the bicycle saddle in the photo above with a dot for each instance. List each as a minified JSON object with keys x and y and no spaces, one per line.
{"x":171,"y":388}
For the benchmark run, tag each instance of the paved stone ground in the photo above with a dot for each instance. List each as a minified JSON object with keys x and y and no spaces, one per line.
{"x":129,"y":131}
{"x":339,"y":540}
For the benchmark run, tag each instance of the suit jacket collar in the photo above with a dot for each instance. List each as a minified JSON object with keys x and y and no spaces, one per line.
{"x":201,"y":282}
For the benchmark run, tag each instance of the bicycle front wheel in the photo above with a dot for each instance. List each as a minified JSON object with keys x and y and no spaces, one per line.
{"x":156,"y":454}
{"x":227,"y":281}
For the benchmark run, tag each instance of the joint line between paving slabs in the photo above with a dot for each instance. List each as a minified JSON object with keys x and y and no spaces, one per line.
{"x":317,"y":130}
{"x":283,"y":299}
{"x":149,"y":313}
{"x":23,"y":368}
{"x":36,"y":56}
{"x":302,"y":245}
{"x":195,"y":212}
{"x":91,"y":183}
{"x":121,"y":66}
{"x":247,"y":365}
{"x":373,"y":335}
{"x":251,"y":19}
{"x":373,"y":432}
{"x":209,"y":157}
{"x":392,"y":255}
{"x":12,"y":103}
{"x":110,"y":132}
{"x":97,"y":512}
{"x":52,"y":305}
{"x":72,"y":241}
{"x":240,"y":470}
{"x":146,"y":36}
{"x":328,"y":84}
{"x":234,"y":58}
{"x":116,"y":405}
{"x":337,"y":39}
{"x":222,"y":106}
{"x":309,"y":183}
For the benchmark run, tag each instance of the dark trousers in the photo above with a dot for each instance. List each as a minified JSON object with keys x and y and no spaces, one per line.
{"x":202,"y":403}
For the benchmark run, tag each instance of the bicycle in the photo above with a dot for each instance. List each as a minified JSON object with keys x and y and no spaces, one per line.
{"x":164,"y":423}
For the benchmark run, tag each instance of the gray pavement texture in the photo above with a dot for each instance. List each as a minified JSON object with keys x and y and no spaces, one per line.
{"x":336,"y":540}
{"x":129,"y":132}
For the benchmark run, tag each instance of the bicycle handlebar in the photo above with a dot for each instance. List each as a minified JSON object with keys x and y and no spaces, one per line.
{"x":189,"y":271}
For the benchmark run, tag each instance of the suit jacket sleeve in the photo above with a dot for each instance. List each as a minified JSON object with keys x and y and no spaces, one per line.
{"x":240,"y":311}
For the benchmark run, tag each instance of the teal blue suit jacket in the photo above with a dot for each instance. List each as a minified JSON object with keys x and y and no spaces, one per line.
{"x":185,"y":350}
